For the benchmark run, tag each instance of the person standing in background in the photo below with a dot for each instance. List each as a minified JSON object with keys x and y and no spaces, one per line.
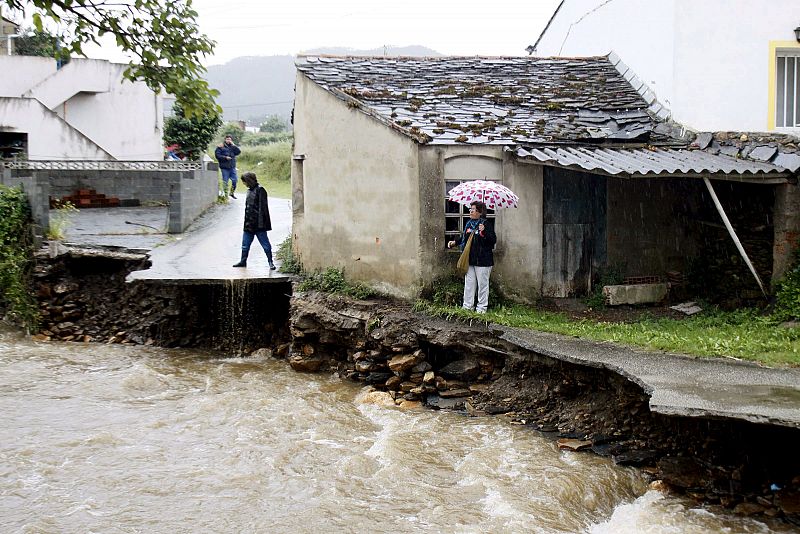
{"x":226,"y":154}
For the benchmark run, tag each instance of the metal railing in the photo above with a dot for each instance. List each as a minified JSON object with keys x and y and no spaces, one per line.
{"x":101,"y":165}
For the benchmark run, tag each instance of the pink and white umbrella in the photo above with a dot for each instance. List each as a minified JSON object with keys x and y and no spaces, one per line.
{"x":494,"y":195}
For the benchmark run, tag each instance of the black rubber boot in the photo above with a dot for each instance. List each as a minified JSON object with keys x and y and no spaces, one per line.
{"x":271,"y":265}
{"x":233,"y":188}
{"x":242,"y":262}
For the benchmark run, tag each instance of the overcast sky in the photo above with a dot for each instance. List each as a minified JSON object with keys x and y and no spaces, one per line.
{"x":451,"y":27}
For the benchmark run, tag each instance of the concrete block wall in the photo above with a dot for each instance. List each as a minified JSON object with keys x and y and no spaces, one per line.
{"x":192,"y":192}
{"x":145,"y":186}
{"x":188,"y":193}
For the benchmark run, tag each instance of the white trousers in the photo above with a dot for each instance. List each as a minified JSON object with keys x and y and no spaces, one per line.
{"x":477,"y":278}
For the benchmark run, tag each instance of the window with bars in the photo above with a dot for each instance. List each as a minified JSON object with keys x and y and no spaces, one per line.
{"x":787,"y":112}
{"x":456,"y":215}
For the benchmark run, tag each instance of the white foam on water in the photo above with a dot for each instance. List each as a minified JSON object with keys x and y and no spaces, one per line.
{"x":655,"y":513}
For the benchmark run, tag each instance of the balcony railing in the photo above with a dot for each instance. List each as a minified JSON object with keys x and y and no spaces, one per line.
{"x":101,"y":165}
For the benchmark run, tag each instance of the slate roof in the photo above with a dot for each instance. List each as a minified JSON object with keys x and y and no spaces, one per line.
{"x":490,"y":100}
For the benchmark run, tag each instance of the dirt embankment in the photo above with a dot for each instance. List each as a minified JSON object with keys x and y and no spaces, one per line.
{"x":751,"y":468}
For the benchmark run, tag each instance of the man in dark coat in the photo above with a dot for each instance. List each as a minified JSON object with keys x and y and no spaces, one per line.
{"x":226,"y":156}
{"x":256,"y":219}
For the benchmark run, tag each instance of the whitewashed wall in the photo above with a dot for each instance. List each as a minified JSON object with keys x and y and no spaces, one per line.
{"x":49,"y":137}
{"x":708,"y":62}
{"x":86,"y":100}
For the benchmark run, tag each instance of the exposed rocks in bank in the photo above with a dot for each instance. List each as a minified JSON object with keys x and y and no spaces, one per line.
{"x":83,"y":297}
{"x":409,"y":358}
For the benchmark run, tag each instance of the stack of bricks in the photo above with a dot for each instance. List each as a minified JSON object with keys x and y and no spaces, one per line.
{"x":86,"y":198}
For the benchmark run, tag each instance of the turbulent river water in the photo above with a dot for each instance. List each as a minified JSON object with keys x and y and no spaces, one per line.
{"x":101,"y":438}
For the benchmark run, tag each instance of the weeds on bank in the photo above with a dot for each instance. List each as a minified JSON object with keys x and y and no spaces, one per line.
{"x":289,"y":263}
{"x":60,"y":220}
{"x":744,"y":334}
{"x":331,"y":280}
{"x":16,"y":258}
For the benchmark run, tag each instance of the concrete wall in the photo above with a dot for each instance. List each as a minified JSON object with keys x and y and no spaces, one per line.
{"x":131,"y":125}
{"x":359,"y":185}
{"x":20,"y":73}
{"x":189,"y":193}
{"x":87,"y":99}
{"x":711,"y":62}
{"x":49,"y":137}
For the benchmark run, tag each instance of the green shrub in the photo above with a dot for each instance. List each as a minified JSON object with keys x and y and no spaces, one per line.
{"x":607,"y":276}
{"x":16,"y":258}
{"x":787,"y":296}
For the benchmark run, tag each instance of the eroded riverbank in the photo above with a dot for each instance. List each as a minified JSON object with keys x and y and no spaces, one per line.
{"x":408,"y":358}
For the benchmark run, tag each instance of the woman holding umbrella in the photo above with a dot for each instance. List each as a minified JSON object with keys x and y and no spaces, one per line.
{"x":481,"y":256}
{"x":479,"y":195}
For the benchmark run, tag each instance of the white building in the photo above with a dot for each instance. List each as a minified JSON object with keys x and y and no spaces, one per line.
{"x":83,"y":111}
{"x":716,"y":65}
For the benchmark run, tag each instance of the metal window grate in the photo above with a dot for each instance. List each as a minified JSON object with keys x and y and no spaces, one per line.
{"x":787,"y":111}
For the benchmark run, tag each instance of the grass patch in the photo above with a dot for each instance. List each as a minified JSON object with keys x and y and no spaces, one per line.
{"x":744,"y":334}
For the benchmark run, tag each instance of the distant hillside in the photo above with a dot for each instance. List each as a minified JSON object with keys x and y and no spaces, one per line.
{"x":254,"y":87}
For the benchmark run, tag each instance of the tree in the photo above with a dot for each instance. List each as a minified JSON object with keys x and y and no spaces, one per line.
{"x":194,"y":133}
{"x":233,"y":129}
{"x":273,"y":124}
{"x":36,"y":43}
{"x":163,"y":38}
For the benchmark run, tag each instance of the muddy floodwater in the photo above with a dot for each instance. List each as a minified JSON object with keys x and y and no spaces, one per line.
{"x":100,"y":438}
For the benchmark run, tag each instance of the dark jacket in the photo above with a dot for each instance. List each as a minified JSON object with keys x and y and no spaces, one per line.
{"x":481,"y":252}
{"x":256,"y":211}
{"x":227,"y":150}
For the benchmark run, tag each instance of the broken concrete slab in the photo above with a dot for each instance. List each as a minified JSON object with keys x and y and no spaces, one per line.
{"x":635,"y":294}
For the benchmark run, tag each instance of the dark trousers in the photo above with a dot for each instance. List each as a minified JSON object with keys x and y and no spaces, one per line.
{"x":247,"y":240}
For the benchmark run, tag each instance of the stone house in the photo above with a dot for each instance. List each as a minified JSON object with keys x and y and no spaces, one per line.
{"x":604,"y":177}
{"x":85,"y":110}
